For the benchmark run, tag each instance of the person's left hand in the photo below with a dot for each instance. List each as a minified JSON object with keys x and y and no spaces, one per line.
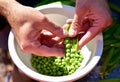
{"x":27,"y":24}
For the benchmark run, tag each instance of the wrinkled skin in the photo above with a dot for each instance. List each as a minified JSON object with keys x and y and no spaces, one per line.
{"x":98,"y":14}
{"x":27,"y":24}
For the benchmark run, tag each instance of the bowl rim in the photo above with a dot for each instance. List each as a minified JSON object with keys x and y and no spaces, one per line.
{"x":41,"y":77}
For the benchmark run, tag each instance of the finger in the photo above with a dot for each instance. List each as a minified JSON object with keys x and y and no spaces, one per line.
{"x":51,"y":42}
{"x":43,"y":50}
{"x":74,"y":29}
{"x":96,"y":25}
{"x":80,"y":13}
{"x":46,"y":51}
{"x":76,"y":25}
{"x":55,"y":29}
{"x":35,"y":47}
{"x":89,"y":35}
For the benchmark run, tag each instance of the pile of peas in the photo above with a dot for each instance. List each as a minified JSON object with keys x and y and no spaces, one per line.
{"x":60,"y":66}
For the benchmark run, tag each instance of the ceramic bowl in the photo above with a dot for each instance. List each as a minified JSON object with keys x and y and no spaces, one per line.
{"x":58,"y":14}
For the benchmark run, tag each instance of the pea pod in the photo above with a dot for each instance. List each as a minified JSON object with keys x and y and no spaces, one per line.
{"x":73,"y":41}
{"x":114,"y":61}
{"x":67,"y":2}
{"x":114,"y":7}
{"x":109,"y":30}
{"x":110,"y":80}
{"x":117,"y":32}
{"x":110,"y":56}
{"x":112,"y":67}
{"x":110,"y":41}
{"x":59,"y":66}
{"x":42,"y":2}
{"x":116,"y":56}
{"x":116,"y":45}
{"x":106,"y":62}
{"x":105,"y":51}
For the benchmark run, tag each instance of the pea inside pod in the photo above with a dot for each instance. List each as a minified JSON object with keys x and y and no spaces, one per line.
{"x":60,"y":66}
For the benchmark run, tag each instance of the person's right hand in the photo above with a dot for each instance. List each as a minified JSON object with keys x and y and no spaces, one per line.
{"x":27,"y":24}
{"x":91,"y":17}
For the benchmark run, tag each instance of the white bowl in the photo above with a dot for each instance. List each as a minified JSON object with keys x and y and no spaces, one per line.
{"x":91,"y":51}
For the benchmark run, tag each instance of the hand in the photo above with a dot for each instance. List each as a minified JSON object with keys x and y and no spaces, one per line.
{"x":91,"y":17}
{"x":27,"y":24}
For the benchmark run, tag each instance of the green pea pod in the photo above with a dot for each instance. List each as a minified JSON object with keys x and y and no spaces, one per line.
{"x":109,"y":42}
{"x":118,"y":29}
{"x":109,"y":29}
{"x":106,"y":36}
{"x":68,"y":27}
{"x":42,"y":2}
{"x":105,"y":52}
{"x":60,"y":66}
{"x":106,"y":62}
{"x":73,"y":41}
{"x":68,"y":2}
{"x":67,"y":39}
{"x":117,"y":33}
{"x":114,"y":7}
{"x":106,"y":49}
{"x":116,"y":45}
{"x":110,"y":80}
{"x":117,"y":36}
{"x":112,"y":67}
{"x":110,"y":57}
{"x":114,"y":61}
{"x":116,"y":56}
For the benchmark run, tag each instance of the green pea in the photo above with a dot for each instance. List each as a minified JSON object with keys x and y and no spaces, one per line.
{"x":73,"y":50}
{"x":60,"y":66}
{"x":68,"y":45}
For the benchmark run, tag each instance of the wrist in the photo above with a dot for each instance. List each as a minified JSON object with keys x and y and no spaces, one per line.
{"x":6,"y":6}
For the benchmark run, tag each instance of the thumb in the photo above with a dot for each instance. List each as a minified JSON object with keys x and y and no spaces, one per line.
{"x":77,"y":24}
{"x":81,"y":10}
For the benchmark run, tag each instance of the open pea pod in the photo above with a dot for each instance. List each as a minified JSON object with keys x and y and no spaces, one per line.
{"x":71,"y":43}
